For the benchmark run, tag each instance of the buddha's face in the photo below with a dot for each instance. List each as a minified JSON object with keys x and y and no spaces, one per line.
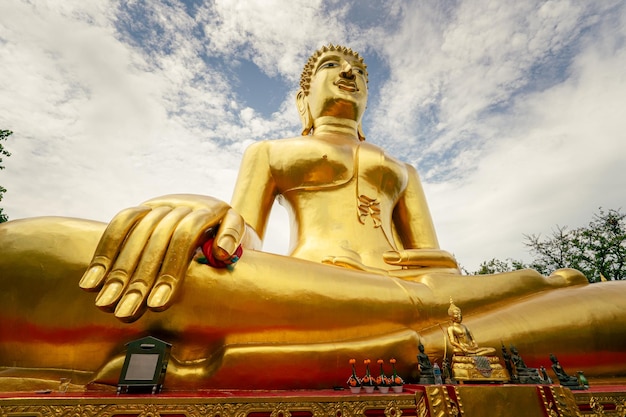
{"x":456,"y":315}
{"x":338,"y":87}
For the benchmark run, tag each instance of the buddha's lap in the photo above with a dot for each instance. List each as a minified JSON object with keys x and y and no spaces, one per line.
{"x":549,"y":326}
{"x":58,"y":249}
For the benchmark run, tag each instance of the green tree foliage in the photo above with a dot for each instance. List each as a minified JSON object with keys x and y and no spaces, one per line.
{"x":495,"y":266}
{"x":4,"y":134}
{"x":597,"y":250}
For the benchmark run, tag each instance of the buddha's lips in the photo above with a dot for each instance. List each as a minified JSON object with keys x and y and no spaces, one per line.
{"x":349,"y":86}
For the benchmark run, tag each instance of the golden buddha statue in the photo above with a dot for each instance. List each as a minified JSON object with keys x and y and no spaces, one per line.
{"x":365,"y":276}
{"x":471,"y":362}
{"x":461,"y":337}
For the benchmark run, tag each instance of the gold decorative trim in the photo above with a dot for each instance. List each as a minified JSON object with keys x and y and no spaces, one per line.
{"x":331,"y":406}
{"x":464,"y":368}
{"x":459,"y":401}
{"x":439,"y":402}
{"x":601,"y":404}
{"x":564,"y":401}
{"x":434,"y":401}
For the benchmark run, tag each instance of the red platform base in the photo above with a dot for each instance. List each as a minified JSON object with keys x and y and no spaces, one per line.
{"x":415,"y":400}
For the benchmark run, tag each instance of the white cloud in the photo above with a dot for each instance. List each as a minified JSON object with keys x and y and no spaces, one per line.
{"x":449,"y":67}
{"x":89,"y":112}
{"x":560,"y":156}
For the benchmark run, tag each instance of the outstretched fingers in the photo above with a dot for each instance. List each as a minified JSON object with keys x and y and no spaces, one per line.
{"x":189,"y":234}
{"x":132,"y":304}
{"x":109,"y":246}
{"x":129,"y":257}
{"x":144,"y":253}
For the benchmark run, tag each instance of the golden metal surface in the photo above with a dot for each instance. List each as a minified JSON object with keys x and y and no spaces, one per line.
{"x":511,"y":401}
{"x":365,"y":276}
{"x":499,"y":400}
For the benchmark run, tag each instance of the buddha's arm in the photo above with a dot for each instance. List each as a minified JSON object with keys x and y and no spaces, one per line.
{"x":415,"y":229}
{"x":144,"y":253}
{"x":472,"y":340}
{"x":255,"y":189}
{"x":453,"y":340}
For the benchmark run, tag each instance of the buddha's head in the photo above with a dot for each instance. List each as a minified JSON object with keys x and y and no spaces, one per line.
{"x":333,"y":83}
{"x":454,"y":312}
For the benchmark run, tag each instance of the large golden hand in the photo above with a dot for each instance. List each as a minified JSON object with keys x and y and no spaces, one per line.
{"x":144,"y":252}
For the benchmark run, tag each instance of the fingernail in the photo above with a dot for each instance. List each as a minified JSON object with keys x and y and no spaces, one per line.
{"x":91,"y":279}
{"x":160,"y":296}
{"x":393,"y":257}
{"x":109,"y":294}
{"x":227,"y":244}
{"x":128,"y":305}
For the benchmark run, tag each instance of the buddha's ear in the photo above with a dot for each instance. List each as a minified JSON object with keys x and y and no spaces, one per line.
{"x":303,"y":111}
{"x":360,"y":131}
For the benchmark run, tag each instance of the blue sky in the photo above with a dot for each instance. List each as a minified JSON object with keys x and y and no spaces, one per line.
{"x":512,"y":112}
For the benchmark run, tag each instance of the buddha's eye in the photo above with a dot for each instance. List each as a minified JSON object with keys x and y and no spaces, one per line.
{"x":358,"y":70}
{"x":329,"y":64}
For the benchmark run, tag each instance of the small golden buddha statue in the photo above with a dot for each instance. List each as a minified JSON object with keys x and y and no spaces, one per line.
{"x":471,"y":362}
{"x":461,"y":337}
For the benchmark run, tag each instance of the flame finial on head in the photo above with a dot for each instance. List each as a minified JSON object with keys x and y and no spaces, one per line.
{"x":453,"y":308}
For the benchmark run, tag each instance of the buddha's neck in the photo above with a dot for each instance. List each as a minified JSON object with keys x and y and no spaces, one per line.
{"x":326,"y":125}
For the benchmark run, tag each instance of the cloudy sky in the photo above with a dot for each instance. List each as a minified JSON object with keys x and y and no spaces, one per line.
{"x":513,"y":112}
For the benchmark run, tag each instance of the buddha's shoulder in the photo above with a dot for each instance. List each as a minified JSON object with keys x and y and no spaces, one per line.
{"x":290,"y":145}
{"x":370,"y":147}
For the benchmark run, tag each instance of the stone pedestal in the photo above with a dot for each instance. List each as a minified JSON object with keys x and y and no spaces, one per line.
{"x":478,"y":369}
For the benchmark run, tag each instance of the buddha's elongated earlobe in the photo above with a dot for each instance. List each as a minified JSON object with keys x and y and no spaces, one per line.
{"x":305,"y":114}
{"x":360,"y":132}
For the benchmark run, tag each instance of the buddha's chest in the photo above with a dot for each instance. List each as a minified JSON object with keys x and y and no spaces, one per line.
{"x":460,"y":332}
{"x":311,"y":163}
{"x":317,"y":164}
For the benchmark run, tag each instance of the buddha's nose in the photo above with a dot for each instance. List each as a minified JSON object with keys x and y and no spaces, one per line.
{"x":346,"y":71}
